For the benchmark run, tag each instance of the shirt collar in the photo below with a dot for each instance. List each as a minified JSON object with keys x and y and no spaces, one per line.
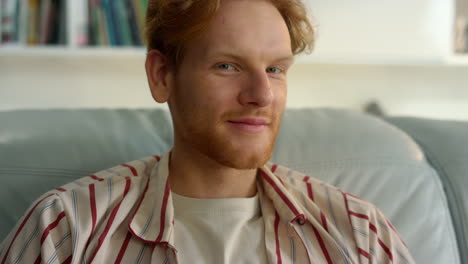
{"x":153,"y":220}
{"x":281,"y":194}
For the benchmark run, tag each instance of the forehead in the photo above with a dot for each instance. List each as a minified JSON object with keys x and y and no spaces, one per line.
{"x":252,"y":28}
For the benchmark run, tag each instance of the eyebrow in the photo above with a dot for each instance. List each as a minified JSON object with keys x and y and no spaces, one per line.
{"x":286,"y":58}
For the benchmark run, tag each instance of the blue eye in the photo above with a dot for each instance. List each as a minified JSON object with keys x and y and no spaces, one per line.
{"x":274,"y":70}
{"x":226,"y":66}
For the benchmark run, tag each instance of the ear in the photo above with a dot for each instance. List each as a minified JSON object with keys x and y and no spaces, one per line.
{"x":157,"y":72}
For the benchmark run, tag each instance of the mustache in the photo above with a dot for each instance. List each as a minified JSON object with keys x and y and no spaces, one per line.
{"x":265,"y":114}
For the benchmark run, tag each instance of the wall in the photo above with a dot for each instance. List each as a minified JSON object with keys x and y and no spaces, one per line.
{"x":462,"y":8}
{"x":430,"y":91}
{"x":416,"y":28}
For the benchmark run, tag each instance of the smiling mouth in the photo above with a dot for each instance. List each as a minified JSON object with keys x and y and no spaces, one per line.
{"x":253,"y":125}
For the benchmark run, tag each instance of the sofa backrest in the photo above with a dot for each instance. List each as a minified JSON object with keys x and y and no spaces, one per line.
{"x":445,"y":144}
{"x":363,"y":155}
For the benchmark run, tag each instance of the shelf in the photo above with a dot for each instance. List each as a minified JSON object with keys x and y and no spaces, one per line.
{"x":379,"y":60}
{"x":138,"y":53}
{"x":458,"y":60}
{"x":64,"y":51}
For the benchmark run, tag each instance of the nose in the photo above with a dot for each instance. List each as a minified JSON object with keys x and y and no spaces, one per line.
{"x":257,"y":91}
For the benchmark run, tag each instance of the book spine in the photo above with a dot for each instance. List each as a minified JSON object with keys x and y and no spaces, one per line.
{"x":45,"y":19}
{"x":54,"y":31}
{"x":16,"y":22}
{"x":116,"y":20}
{"x":22,"y":22}
{"x":109,"y":21}
{"x":62,"y":27}
{"x":2,"y":7}
{"x":94,"y":33}
{"x":77,"y":19}
{"x":7,"y":20}
{"x":102,"y":25}
{"x":142,"y":18}
{"x":138,"y":12}
{"x":123,"y":14}
{"x":133,"y":24}
{"x":33,"y":22}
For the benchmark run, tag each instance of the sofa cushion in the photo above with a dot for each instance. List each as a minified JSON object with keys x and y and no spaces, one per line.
{"x":368,"y":157}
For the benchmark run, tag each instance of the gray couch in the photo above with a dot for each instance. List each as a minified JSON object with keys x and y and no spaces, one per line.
{"x":415,"y":170}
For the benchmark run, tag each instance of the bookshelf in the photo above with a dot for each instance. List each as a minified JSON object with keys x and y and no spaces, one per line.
{"x":71,"y":23}
{"x":71,"y":52}
{"x":85,"y":20}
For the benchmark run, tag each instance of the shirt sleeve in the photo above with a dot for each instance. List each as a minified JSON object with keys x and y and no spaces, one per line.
{"x":42,"y":235}
{"x":377,"y":239}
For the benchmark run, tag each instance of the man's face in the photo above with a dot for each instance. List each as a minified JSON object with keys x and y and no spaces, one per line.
{"x":229,"y":92}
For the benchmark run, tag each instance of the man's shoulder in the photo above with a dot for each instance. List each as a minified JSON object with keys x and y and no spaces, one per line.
{"x":349,"y":219}
{"x":101,"y":191}
{"x":298,"y":179}
{"x":136,"y":170}
{"x":316,"y":189}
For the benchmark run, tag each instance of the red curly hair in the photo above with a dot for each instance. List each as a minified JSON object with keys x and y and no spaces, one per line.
{"x":170,"y":24}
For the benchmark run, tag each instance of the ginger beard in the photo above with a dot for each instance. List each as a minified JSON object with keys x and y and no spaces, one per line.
{"x":202,"y":129}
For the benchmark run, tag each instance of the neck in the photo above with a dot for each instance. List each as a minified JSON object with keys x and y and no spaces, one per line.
{"x":195,"y":175}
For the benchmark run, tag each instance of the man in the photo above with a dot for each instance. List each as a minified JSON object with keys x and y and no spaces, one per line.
{"x":213,"y":198}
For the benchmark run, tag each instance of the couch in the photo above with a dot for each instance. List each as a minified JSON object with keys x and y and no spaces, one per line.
{"x":415,"y":170}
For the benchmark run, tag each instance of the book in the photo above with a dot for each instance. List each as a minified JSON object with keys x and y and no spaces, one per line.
{"x":123,"y":15}
{"x":133,"y":23}
{"x":109,"y":22}
{"x":138,"y":11}
{"x":77,"y":13}
{"x":8,"y":12}
{"x":103,"y":27}
{"x":45,"y":25}
{"x":33,"y":22}
{"x":94,"y":34}
{"x":22,"y":26}
{"x":61,"y":25}
{"x":115,"y":23}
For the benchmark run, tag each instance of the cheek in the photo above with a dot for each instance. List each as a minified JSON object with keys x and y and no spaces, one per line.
{"x":281,"y":95}
{"x":218,"y":92}
{"x":201,"y":101}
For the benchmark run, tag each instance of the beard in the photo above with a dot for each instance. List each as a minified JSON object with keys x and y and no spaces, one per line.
{"x":214,"y":138}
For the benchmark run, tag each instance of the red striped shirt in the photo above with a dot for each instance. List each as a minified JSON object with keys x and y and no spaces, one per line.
{"x":126,"y":215}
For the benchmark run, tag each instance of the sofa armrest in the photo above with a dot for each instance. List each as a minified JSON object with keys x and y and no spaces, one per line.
{"x":445,"y":144}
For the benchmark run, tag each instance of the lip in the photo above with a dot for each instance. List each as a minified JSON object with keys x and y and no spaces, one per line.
{"x":250,"y":124}
{"x":254,"y":121}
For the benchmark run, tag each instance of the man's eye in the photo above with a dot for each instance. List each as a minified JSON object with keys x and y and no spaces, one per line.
{"x":274,"y":70}
{"x":226,"y":66}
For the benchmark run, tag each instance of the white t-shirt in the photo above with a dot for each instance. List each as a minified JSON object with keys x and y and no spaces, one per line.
{"x":217,"y":231}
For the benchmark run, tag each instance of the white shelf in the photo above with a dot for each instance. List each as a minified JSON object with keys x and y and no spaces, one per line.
{"x":380,"y":59}
{"x":458,"y":60}
{"x":110,"y":53}
{"x":65,"y":51}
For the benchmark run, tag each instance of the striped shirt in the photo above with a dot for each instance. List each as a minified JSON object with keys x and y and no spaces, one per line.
{"x":125,"y":214}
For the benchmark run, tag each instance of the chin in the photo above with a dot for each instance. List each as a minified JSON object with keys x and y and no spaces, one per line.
{"x":242,"y":157}
{"x":246,"y":161}
{"x":237,"y":151}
